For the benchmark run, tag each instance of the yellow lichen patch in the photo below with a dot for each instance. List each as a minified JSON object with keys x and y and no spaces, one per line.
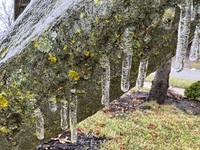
{"x":87,"y":53}
{"x":78,"y":31}
{"x":73,"y":74}
{"x":3,"y":101}
{"x":9,"y":93}
{"x":117,"y":35}
{"x":4,"y":49}
{"x":164,"y":37}
{"x":65,"y":47}
{"x":77,"y":91}
{"x":107,"y":21}
{"x":53,"y":59}
{"x":47,"y":28}
{"x":26,"y":74}
{"x":36,"y":44}
{"x":138,"y":44}
{"x":28,"y":95}
{"x":96,"y":18}
{"x":100,"y":2}
{"x":91,"y":55}
{"x":156,"y":53}
{"x":166,"y":13}
{"x":73,"y":41}
{"x":135,"y":59}
{"x":134,"y":73}
{"x":20,"y":98}
{"x":4,"y":130}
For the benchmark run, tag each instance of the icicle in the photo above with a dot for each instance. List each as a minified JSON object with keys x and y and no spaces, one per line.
{"x":183,"y":34}
{"x":142,"y":73}
{"x":105,"y":80}
{"x":39,"y":124}
{"x":63,"y":114}
{"x":194,"y":52}
{"x":53,"y":104}
{"x":73,"y":114}
{"x":127,"y":61}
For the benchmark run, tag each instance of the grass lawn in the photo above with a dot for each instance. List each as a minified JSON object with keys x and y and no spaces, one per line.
{"x":196,"y":65}
{"x":159,"y":128}
{"x":173,"y":81}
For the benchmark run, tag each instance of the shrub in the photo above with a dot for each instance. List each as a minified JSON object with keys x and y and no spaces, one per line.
{"x":193,"y":91}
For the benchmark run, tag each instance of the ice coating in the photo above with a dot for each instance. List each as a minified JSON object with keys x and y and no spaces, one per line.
{"x":105,"y":81}
{"x":53,"y":104}
{"x":183,"y":34}
{"x":194,"y":52}
{"x":127,"y":61}
{"x":64,"y":114}
{"x":142,"y":73}
{"x":39,"y":124}
{"x":32,"y":32}
{"x":168,"y":18}
{"x":73,"y":115}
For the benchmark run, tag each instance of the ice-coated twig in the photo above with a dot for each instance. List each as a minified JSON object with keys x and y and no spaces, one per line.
{"x":194,"y":52}
{"x":142,"y":73}
{"x":73,"y":114}
{"x":64,"y":114}
{"x":127,"y":61}
{"x":39,"y":123}
{"x":53,"y":104}
{"x":183,"y":34}
{"x":105,"y":80}
{"x":168,"y":18}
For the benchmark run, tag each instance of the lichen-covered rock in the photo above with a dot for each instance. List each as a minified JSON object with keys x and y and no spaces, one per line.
{"x":53,"y":45}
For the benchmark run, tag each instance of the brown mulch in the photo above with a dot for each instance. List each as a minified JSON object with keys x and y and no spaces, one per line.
{"x":132,"y":100}
{"x":128,"y":102}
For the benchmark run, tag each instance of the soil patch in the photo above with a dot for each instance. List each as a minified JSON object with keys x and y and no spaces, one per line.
{"x":128,"y":102}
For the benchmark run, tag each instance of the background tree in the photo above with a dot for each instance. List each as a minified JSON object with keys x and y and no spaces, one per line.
{"x":6,"y":14}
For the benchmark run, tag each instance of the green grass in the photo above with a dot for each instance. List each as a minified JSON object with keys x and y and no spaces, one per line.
{"x":159,"y":128}
{"x":196,"y":65}
{"x":175,"y":82}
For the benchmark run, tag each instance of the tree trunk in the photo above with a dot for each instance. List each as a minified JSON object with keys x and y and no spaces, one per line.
{"x":160,"y":83}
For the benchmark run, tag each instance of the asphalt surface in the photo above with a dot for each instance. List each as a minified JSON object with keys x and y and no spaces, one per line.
{"x":187,"y":73}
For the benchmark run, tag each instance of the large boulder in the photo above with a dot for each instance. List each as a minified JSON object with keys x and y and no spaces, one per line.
{"x":55,"y":47}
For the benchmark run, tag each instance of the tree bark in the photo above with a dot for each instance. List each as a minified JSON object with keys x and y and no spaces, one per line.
{"x":160,"y":83}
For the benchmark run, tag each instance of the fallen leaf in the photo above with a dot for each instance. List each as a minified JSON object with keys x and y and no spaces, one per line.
{"x":98,"y":131}
{"x":122,"y":133}
{"x":102,"y":125}
{"x":62,"y":140}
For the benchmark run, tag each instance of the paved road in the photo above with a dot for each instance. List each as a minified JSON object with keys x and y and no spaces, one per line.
{"x":186,"y":73}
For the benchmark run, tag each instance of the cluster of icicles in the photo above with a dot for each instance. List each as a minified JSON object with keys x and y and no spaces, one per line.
{"x":105,"y":84}
{"x":63,"y":114}
{"x":183,"y":34}
{"x":187,"y":15}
